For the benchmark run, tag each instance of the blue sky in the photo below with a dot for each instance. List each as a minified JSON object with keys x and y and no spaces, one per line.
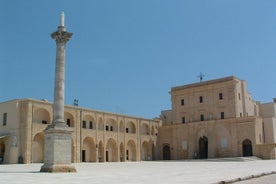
{"x":125,"y":55}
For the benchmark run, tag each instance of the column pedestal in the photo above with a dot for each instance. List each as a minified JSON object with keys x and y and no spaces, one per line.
{"x":57,"y":155}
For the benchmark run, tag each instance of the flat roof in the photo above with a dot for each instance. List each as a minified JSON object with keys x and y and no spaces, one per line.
{"x":204,"y":83}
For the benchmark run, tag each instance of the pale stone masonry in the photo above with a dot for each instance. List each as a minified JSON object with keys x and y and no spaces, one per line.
{"x":97,"y":136}
{"x":57,"y":154}
{"x":217,"y":118}
{"x":210,"y":119}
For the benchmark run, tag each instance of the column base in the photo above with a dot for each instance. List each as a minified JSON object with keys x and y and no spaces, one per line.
{"x":57,"y":168}
{"x":57,"y":153}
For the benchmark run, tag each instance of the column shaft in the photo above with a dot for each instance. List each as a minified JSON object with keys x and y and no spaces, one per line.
{"x":59,"y":84}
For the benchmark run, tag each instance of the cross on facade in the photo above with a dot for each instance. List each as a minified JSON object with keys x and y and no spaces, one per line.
{"x":201,"y":76}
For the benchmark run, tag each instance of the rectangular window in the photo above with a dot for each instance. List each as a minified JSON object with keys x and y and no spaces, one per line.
{"x":220,"y":96}
{"x":239,"y":96}
{"x":126,"y":130}
{"x":106,"y":128}
{"x":5,"y":119}
{"x":91,"y":125}
{"x":44,"y":122}
{"x":201,"y":99}
{"x":182,"y":102}
{"x":83,"y":124}
{"x":111,"y":128}
{"x":221,"y":115}
{"x":68,"y":122}
{"x":183,"y":120}
{"x":240,"y":114}
{"x":201,"y":117}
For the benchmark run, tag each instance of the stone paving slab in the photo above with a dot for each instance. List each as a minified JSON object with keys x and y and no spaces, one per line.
{"x":139,"y":172}
{"x":269,"y":179}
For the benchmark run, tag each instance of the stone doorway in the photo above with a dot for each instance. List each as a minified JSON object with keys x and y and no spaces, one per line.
{"x":203,"y":147}
{"x":2,"y":152}
{"x":83,"y":156}
{"x":106,"y":156}
{"x":247,"y":148}
{"x":166,"y":152}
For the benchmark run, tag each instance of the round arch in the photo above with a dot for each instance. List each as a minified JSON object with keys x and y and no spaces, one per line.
{"x":42,"y":116}
{"x":146,"y":155}
{"x":166,"y":152}
{"x":111,"y":152}
{"x":131,"y":151}
{"x":69,"y":119}
{"x":90,"y":121}
{"x":203,"y":147}
{"x":88,"y":150}
{"x":145,"y":129}
{"x":112,"y":124}
{"x":38,"y":148}
{"x":130,"y":127}
{"x":247,"y":148}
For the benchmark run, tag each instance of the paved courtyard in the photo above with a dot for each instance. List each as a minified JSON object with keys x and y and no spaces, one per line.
{"x":191,"y":171}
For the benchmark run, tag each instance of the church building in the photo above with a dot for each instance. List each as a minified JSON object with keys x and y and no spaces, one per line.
{"x":214,"y":119}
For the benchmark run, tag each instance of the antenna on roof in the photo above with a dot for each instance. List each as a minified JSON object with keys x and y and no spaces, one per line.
{"x":201,"y":76}
{"x":76,"y":102}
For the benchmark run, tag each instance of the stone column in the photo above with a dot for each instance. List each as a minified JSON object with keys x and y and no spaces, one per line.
{"x":58,"y":146}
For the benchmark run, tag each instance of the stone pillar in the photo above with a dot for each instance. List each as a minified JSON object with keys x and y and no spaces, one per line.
{"x":58,"y":154}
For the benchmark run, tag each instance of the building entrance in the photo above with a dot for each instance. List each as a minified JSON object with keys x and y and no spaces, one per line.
{"x":247,"y":148}
{"x":166,"y":152}
{"x":203,"y":147}
{"x":106,"y":156}
{"x":2,"y":152}
{"x":83,"y":156}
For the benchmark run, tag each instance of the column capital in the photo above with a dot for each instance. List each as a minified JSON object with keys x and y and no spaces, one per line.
{"x":61,"y":36}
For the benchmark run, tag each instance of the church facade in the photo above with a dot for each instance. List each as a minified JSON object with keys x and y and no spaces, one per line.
{"x":214,"y":119}
{"x":210,"y":119}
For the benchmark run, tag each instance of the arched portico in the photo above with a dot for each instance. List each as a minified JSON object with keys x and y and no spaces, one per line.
{"x":130,"y":127}
{"x":111,"y":125}
{"x":88,"y":150}
{"x":131,"y":151}
{"x":111,"y":152}
{"x":69,"y":119}
{"x":38,"y":148}
{"x":145,"y":151}
{"x":41,"y":116}
{"x":145,"y":129}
